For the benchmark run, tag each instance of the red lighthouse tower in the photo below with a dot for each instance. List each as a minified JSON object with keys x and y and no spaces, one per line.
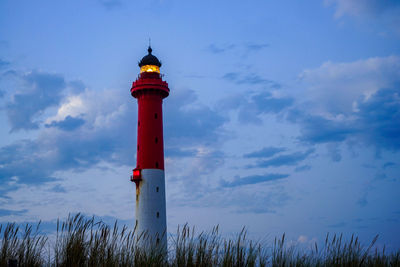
{"x":150,"y":90}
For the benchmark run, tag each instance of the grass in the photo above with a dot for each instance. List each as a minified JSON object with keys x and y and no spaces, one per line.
{"x":82,"y":241}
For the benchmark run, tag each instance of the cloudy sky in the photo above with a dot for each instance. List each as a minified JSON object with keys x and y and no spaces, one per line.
{"x":284,"y":116}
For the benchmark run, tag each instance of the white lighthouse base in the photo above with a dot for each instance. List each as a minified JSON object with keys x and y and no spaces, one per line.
{"x":151,"y":218}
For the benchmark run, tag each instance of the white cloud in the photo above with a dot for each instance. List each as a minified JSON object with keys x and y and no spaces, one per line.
{"x":362,"y":7}
{"x":302,"y":239}
{"x":73,"y":106}
{"x":334,"y":88}
{"x":90,"y":192}
{"x":380,"y":16}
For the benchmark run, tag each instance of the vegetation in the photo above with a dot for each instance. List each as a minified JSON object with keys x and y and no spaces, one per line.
{"x":83,"y":241}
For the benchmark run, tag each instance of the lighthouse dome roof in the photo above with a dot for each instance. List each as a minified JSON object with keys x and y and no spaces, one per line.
{"x":149,"y":59}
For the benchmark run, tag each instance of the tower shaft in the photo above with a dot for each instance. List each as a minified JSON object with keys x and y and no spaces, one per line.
{"x":150,"y":145}
{"x":150,"y":90}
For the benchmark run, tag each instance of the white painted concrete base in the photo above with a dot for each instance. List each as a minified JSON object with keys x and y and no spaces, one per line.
{"x":151,"y":217}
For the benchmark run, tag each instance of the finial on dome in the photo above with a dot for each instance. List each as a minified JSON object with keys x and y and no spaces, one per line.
{"x":149,"y":49}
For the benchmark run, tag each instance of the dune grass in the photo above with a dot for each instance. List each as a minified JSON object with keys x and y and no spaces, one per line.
{"x":82,"y":241}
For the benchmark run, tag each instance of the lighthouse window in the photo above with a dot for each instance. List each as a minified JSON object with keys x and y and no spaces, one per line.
{"x":158,"y":214}
{"x":156,"y":140}
{"x":155,"y":115}
{"x":138,"y":147}
{"x":156,"y":164}
{"x":157,"y":189}
{"x":138,"y":123}
{"x":150,"y":68}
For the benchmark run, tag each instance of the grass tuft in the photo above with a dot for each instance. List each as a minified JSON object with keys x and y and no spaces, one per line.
{"x":24,"y":246}
{"x":82,"y":241}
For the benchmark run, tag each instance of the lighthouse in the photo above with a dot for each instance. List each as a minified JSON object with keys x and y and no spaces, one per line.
{"x":149,"y":89}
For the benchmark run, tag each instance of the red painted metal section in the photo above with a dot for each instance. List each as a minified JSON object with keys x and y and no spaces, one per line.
{"x":150,"y":89}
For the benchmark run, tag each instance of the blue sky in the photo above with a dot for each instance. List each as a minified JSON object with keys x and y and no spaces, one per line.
{"x":284,"y":116}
